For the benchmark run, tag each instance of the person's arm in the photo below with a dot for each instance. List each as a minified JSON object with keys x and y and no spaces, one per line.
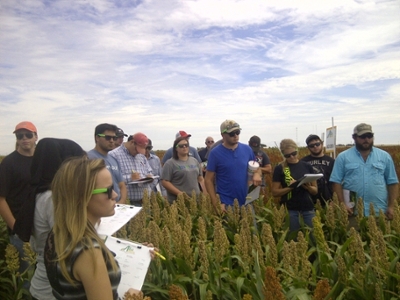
{"x":277,"y":189}
{"x":170,"y":187}
{"x":257,"y":177}
{"x":93,"y":274}
{"x":6,"y":213}
{"x":338,"y":189}
{"x":123,"y":191}
{"x":202,"y":184}
{"x":209,"y":183}
{"x":393,"y":194}
{"x":311,"y":187}
{"x":267,"y":169}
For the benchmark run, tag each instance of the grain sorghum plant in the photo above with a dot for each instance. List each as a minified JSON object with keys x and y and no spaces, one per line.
{"x":204,"y":262}
{"x":319,"y":233}
{"x":153,"y":233}
{"x":201,"y":229}
{"x":155,"y":208}
{"x":342,"y":269}
{"x":304,"y":264}
{"x":247,"y":297}
{"x":330,"y":216}
{"x":176,"y":293}
{"x":360,"y":210}
{"x":356,"y":250}
{"x":258,"y":252}
{"x":267,"y":239}
{"x":12,"y":259}
{"x":322,"y":290}
{"x":187,"y":226}
{"x":166,"y":242}
{"x":272,"y":286}
{"x":186,"y":249}
{"x":221,"y":242}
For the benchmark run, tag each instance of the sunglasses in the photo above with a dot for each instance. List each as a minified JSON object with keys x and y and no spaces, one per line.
{"x":233,"y":133}
{"x":107,"y":191}
{"x":108,"y":137}
{"x":182,"y":145}
{"x":149,"y":147}
{"x":210,"y":142}
{"x":314,"y":145}
{"x":366,"y":135}
{"x":294,"y":153}
{"x":20,"y":136}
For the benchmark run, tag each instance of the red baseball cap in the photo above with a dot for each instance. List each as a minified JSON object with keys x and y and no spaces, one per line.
{"x":182,"y":134}
{"x":25,"y":125}
{"x":140,"y":139}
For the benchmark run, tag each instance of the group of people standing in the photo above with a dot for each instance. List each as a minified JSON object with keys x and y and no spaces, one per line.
{"x":54,"y":193}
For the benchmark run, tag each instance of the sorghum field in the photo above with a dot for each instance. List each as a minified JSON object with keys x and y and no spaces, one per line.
{"x":214,"y":257}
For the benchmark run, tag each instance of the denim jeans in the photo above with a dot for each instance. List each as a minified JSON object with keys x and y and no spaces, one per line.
{"x":23,"y":265}
{"x":294,"y":218}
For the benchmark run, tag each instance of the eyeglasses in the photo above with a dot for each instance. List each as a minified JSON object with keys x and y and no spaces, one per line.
{"x":230,"y":127}
{"x":20,"y":136}
{"x":108,"y":137}
{"x":210,"y":142}
{"x":233,"y":133}
{"x":294,"y":153}
{"x":366,"y":135}
{"x":108,"y":190}
{"x":182,"y":145}
{"x":314,"y":145}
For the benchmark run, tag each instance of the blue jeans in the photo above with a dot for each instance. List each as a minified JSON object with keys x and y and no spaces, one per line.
{"x":294,"y":218}
{"x":23,"y":265}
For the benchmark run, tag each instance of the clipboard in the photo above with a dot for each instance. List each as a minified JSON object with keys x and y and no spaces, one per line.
{"x":123,"y":213}
{"x":143,"y":180}
{"x":133,"y":259}
{"x":306,"y":179}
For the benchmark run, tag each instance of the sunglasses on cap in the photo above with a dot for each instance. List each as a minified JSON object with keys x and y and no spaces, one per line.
{"x":233,"y":133}
{"x":182,"y":145}
{"x":314,"y":145}
{"x":366,"y":135}
{"x":20,"y":136}
{"x":108,"y":137}
{"x":107,"y":191}
{"x":294,"y":153}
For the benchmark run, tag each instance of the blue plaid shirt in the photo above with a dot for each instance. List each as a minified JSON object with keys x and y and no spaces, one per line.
{"x":139,"y":164}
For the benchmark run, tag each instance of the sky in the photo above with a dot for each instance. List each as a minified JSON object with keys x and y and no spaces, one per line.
{"x":281,"y":69}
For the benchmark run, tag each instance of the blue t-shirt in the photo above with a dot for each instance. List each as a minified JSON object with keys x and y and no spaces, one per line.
{"x":369,"y":179}
{"x":113,"y":166}
{"x":230,"y":167}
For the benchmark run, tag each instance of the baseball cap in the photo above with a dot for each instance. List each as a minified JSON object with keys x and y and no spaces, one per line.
{"x":362,"y":128}
{"x":140,"y":139}
{"x":255,"y":143}
{"x":25,"y":125}
{"x":312,"y":137}
{"x":182,"y":134}
{"x":120,"y":132}
{"x":228,"y":126}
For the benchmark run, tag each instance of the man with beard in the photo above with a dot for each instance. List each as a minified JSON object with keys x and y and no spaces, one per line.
{"x":366,"y":171}
{"x":105,"y":136}
{"x":321,"y":164}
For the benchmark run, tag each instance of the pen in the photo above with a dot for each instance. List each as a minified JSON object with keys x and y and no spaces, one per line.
{"x":159,"y":255}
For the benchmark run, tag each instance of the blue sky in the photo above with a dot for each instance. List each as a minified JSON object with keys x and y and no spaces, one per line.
{"x":281,"y":69}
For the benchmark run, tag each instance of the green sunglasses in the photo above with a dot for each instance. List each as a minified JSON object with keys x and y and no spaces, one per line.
{"x":108,"y":190}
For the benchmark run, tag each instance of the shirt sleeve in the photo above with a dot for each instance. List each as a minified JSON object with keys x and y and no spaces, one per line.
{"x":338,"y":170}
{"x":167,"y":171}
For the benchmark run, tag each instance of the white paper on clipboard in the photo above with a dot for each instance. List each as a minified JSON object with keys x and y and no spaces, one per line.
{"x":123,"y":213}
{"x":133,"y":259}
{"x":253,"y":195}
{"x":309,"y":178}
{"x":143,"y":180}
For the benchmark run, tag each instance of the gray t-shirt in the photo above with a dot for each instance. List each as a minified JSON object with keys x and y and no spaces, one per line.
{"x":42,"y":224}
{"x":184,"y":175}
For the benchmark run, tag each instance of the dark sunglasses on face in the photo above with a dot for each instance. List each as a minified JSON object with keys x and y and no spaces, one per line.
{"x":20,"y":136}
{"x":210,"y":142}
{"x":107,"y":191}
{"x":182,"y":146}
{"x":233,"y":133}
{"x":366,"y":135}
{"x":149,"y":147}
{"x":314,"y":145}
{"x":294,"y":153}
{"x":108,"y":137}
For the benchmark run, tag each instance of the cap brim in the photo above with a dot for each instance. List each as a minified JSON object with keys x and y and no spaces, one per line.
{"x":364,"y":132}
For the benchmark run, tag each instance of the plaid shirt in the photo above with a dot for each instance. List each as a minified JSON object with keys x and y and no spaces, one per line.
{"x":128,"y":162}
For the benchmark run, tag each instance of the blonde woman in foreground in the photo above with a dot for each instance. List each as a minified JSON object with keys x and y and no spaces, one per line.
{"x":78,"y":264}
{"x":296,"y":199}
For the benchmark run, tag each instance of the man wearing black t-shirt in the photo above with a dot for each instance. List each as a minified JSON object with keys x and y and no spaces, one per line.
{"x":15,"y":176}
{"x":321,"y":164}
